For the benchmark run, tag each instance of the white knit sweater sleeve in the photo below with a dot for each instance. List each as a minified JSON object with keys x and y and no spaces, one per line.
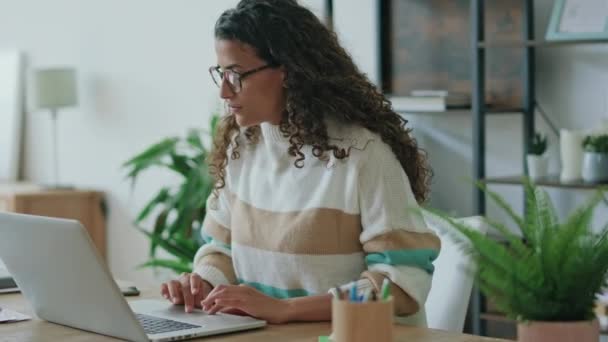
{"x":395,"y":239}
{"x":213,"y":260}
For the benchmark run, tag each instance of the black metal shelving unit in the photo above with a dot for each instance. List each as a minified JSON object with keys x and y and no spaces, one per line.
{"x":477,"y":318}
{"x":479,"y":112}
{"x":529,"y":104}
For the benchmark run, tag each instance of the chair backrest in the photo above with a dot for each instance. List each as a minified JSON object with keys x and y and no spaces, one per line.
{"x":448,"y":300}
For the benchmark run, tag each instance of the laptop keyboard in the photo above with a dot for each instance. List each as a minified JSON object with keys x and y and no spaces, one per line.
{"x":157,"y":325}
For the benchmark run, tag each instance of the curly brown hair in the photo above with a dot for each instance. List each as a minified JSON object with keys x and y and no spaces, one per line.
{"x":322,"y":82}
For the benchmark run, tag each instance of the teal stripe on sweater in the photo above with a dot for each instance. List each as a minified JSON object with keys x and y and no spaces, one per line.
{"x":421,"y":258}
{"x":209,"y":239}
{"x":274,"y":291}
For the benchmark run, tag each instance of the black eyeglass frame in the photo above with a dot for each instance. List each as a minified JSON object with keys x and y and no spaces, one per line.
{"x":241,"y":75}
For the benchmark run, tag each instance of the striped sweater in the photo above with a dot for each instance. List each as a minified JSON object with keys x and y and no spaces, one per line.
{"x":292,"y":232}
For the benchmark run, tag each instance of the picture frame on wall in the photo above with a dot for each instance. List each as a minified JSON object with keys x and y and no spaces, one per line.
{"x":578,"y":20}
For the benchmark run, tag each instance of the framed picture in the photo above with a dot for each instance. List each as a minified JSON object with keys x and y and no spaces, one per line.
{"x":579,"y":20}
{"x":426,"y":44}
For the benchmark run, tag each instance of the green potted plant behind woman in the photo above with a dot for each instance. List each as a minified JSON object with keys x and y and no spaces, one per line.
{"x":548,"y":277}
{"x":537,"y":159}
{"x":595,"y":159}
{"x":178,"y":212}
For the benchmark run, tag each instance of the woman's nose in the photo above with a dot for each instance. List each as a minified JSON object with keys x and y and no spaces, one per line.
{"x":226,"y":91}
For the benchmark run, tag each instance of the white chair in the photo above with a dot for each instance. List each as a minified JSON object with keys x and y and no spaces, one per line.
{"x":448,"y":300}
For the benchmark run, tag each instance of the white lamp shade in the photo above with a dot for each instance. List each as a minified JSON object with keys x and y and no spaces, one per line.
{"x":56,"y":88}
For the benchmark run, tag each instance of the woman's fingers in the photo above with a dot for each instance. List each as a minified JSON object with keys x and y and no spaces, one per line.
{"x":175,"y":292}
{"x":209,"y":300}
{"x":196,"y":283}
{"x":225,"y":303}
{"x":187,"y":292}
{"x":189,"y":289}
{"x":164,"y":291}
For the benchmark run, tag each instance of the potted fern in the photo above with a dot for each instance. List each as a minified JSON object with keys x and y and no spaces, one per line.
{"x":536,"y":158}
{"x":177,"y":211}
{"x":595,"y":159}
{"x":548,"y":278}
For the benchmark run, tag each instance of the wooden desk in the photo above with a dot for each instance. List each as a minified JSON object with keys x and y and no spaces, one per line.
{"x":85,"y":206}
{"x":37,"y":330}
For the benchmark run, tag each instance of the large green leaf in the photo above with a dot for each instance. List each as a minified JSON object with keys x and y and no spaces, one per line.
{"x":194,"y":139}
{"x":160,"y":198}
{"x":502,"y":204}
{"x":180,"y":164}
{"x":170,"y":246}
{"x":150,"y":157}
{"x":159,"y":227}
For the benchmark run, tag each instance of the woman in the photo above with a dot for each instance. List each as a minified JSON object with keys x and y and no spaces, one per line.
{"x":315,"y":174}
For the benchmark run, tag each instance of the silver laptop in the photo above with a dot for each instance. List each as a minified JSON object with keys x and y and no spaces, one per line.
{"x":59,"y":271}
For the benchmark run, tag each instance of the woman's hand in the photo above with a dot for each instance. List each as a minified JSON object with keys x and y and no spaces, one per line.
{"x":189,"y":290}
{"x":244,"y":299}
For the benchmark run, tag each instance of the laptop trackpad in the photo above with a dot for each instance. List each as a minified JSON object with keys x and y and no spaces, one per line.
{"x":176,"y":312}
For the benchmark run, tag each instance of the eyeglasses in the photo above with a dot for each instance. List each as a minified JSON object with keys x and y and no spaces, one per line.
{"x":233,"y":78}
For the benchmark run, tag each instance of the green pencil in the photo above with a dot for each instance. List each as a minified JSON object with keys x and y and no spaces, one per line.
{"x":386,"y":289}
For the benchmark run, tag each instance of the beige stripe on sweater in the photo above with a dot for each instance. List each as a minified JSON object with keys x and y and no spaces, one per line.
{"x":314,"y":231}
{"x":216,"y":230}
{"x":402,"y":239}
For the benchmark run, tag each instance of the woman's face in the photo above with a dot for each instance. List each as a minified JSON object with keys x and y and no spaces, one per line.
{"x":260,"y":96}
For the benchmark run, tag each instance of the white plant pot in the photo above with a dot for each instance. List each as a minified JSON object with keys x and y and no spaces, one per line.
{"x":537,"y":166}
{"x":595,"y":167}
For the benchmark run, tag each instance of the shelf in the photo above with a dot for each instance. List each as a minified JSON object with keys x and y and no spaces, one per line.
{"x":504,"y":110}
{"x":549,"y":181}
{"x":536,"y":43}
{"x":497,"y":317}
{"x":458,"y":111}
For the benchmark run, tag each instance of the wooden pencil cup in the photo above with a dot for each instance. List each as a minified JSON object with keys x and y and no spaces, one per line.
{"x":362,"y":322}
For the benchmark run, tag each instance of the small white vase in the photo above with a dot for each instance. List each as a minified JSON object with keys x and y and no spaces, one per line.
{"x":571,"y":152}
{"x":537,"y":166}
{"x":595,"y":167}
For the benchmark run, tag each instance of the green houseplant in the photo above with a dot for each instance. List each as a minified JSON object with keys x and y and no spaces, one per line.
{"x":548,"y":278}
{"x":596,"y":143}
{"x":177,"y":211}
{"x":595,"y":159}
{"x":536,"y":158}
{"x":538,"y":145}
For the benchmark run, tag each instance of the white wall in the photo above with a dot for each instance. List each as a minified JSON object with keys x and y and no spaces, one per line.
{"x":143,"y":76}
{"x":357,"y":24}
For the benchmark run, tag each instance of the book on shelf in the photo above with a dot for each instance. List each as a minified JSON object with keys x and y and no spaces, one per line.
{"x":430,"y":101}
{"x":452,"y":99}
{"x":418,"y":104}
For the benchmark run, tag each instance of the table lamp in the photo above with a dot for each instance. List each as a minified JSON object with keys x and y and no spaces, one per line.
{"x":55,"y":89}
